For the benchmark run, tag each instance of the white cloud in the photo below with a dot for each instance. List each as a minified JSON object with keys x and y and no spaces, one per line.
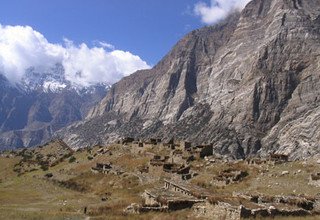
{"x":218,"y":9}
{"x":22,"y":47}
{"x":106,"y":45}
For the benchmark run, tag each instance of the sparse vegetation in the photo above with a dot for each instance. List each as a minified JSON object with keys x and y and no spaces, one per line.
{"x":72,"y":159}
{"x":69,"y":187}
{"x":48,"y":175}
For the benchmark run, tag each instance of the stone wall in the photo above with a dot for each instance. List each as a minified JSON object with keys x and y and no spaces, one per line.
{"x":150,"y":200}
{"x":217,"y":211}
{"x":315,"y":179}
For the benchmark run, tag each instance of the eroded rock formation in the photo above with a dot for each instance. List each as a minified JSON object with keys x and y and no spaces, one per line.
{"x":248,"y":85}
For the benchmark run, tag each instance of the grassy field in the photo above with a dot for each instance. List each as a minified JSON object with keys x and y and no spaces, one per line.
{"x":266,"y":179}
{"x":73,"y":186}
{"x":31,"y":195}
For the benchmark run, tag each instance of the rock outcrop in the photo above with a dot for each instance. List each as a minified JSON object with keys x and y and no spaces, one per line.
{"x":30,"y":113}
{"x":248,"y":85}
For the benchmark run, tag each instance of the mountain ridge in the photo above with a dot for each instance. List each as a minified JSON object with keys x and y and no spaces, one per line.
{"x":40,"y":104}
{"x":232,"y":84}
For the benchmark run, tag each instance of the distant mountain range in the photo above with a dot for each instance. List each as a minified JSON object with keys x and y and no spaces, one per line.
{"x":248,"y":85}
{"x":42,"y":103}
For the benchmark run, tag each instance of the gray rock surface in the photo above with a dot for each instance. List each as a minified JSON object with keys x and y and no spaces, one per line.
{"x":29,"y":115}
{"x":249,"y":84}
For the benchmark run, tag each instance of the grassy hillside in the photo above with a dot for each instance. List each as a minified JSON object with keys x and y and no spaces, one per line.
{"x":66,"y":188}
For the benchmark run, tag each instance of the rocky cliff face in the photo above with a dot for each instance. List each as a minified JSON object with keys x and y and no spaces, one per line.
{"x":248,"y":85}
{"x":41,"y":104}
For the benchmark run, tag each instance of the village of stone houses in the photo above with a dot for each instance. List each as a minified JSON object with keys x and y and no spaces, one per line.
{"x":152,"y":179}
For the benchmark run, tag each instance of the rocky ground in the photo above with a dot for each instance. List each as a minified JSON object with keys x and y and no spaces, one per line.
{"x":54,"y":182}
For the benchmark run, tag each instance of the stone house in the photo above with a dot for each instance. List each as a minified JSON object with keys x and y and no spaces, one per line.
{"x":182,"y":145}
{"x":158,"y":160}
{"x":102,"y":168}
{"x":156,"y":164}
{"x":186,"y":189}
{"x":278,"y":158}
{"x":217,"y":211}
{"x":170,"y":185}
{"x":153,"y":141}
{"x":137,"y":144}
{"x":201,"y":151}
{"x":174,"y":196}
{"x":137,"y":147}
{"x":256,"y":161}
{"x":315,"y":179}
{"x":107,"y":168}
{"x":177,"y":156}
{"x":234,"y":208}
{"x":179,"y":169}
{"x":126,"y":140}
{"x":228,"y":176}
{"x":164,"y":200}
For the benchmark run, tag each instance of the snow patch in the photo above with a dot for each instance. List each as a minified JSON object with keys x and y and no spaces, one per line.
{"x":53,"y":86}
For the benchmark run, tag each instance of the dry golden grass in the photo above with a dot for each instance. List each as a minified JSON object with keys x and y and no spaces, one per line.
{"x":291,"y":218}
{"x":265,"y":180}
{"x":31,"y":196}
{"x":14,"y":214}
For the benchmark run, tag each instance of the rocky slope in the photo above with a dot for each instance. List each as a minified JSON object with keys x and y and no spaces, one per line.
{"x":248,"y":85}
{"x":39,"y":105}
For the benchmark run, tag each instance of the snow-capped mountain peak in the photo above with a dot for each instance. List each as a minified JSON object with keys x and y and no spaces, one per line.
{"x":54,"y":80}
{"x":52,"y":86}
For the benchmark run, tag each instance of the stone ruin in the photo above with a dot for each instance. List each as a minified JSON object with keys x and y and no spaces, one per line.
{"x":126,"y":140}
{"x":179,"y":145}
{"x":177,"y":195}
{"x":229,"y":176}
{"x":278,"y":158}
{"x":106,"y":168}
{"x":220,"y":210}
{"x":177,"y":156}
{"x":138,"y":144}
{"x":156,"y":164}
{"x":256,"y":161}
{"x":249,"y":207}
{"x":164,"y":200}
{"x":153,"y":141}
{"x":315,"y":179}
{"x":176,"y":168}
{"x":102,"y":168}
{"x":161,"y":164}
{"x":173,"y":196}
{"x":102,"y":151}
{"x":186,"y":189}
{"x":158,"y":160}
{"x":143,"y":169}
{"x":181,"y":150}
{"x":201,"y":151}
{"x":179,"y":169}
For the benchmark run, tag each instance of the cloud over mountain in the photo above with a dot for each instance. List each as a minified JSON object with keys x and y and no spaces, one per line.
{"x":21,"y":47}
{"x":218,"y":9}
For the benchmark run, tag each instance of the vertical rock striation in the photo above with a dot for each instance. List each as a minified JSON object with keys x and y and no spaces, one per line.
{"x":249,"y":85}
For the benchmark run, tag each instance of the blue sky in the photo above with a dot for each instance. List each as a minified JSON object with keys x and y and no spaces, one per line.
{"x":104,"y":40}
{"x":148,"y":28}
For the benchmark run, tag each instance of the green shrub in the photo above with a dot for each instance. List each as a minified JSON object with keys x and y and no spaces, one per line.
{"x":72,"y":159}
{"x":44,"y":167}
